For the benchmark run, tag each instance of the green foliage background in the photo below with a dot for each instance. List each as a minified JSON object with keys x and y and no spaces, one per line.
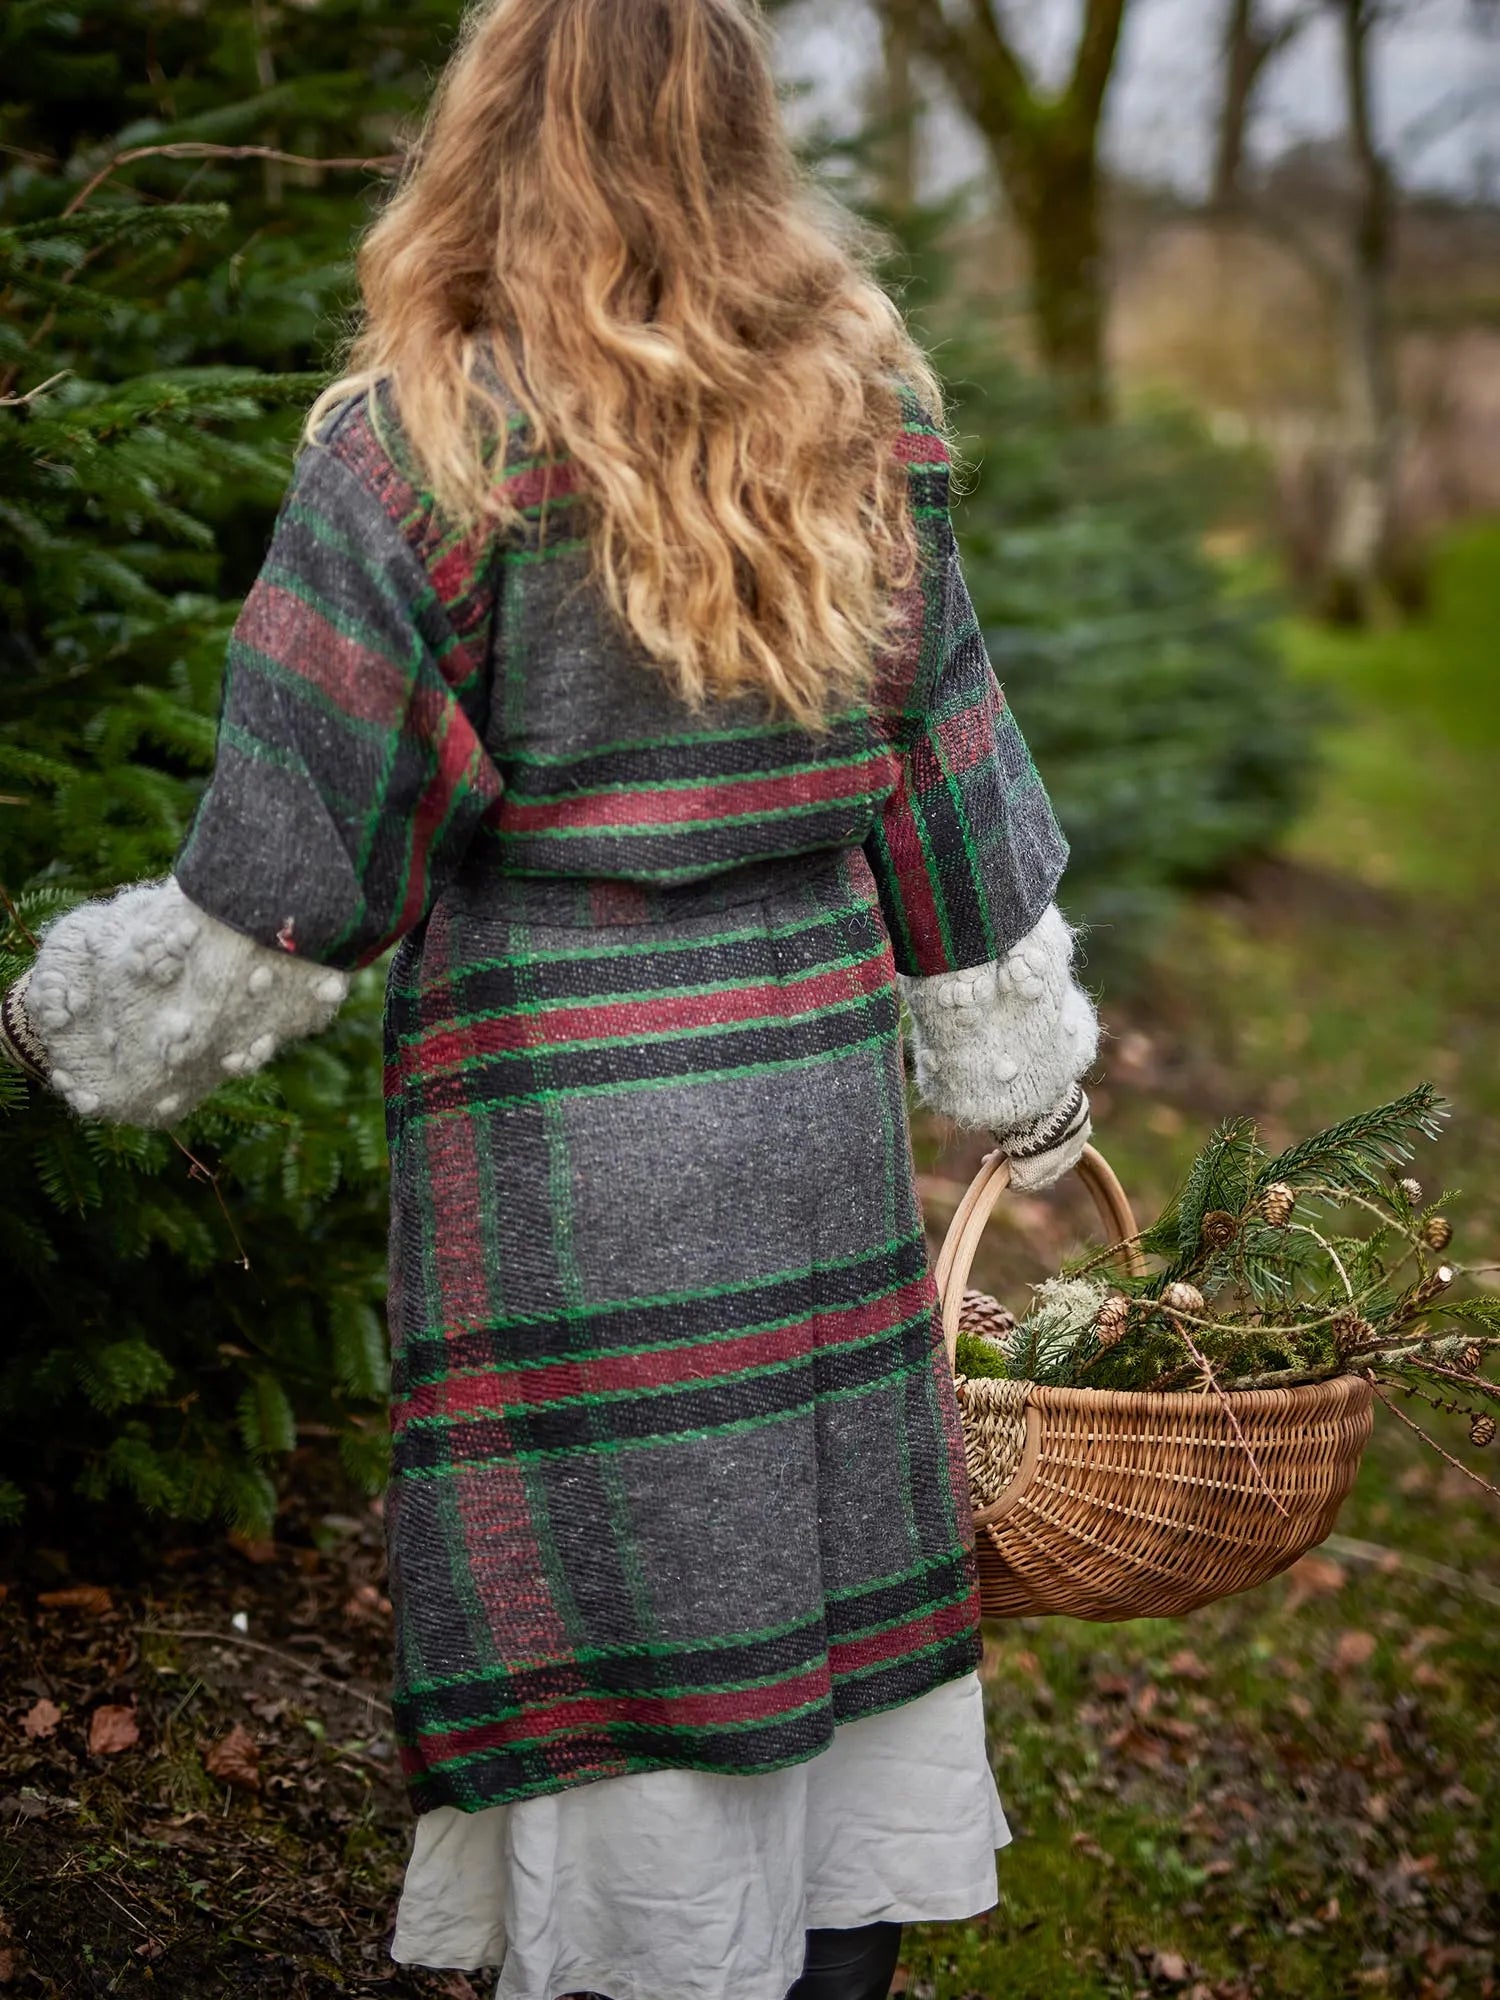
{"x":156,"y":346}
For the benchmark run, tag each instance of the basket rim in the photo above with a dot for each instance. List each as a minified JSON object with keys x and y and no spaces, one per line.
{"x":1341,"y":1390}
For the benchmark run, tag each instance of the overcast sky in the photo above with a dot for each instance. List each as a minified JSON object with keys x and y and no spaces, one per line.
{"x":1433,"y":59}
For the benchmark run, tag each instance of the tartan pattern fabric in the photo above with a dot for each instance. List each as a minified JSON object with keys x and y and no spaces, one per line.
{"x":678,"y":1473}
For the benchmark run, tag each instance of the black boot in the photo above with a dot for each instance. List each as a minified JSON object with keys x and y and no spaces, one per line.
{"x":849,"y":1965}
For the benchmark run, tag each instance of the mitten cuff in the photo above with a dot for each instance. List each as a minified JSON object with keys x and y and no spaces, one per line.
{"x":999,"y":1046}
{"x":19,"y":1041}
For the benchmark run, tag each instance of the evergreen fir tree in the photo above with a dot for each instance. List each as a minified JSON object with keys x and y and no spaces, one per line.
{"x":144,"y":441}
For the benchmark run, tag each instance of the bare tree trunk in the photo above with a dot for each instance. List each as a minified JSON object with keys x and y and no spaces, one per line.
{"x":1046,"y":150}
{"x":1243,"y":59}
{"x":897,"y":113}
{"x":1054,"y":196}
{"x":265,"y":76}
{"x":1361,"y":537}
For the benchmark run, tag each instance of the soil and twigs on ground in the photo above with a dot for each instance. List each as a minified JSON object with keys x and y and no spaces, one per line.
{"x":198,"y":1789}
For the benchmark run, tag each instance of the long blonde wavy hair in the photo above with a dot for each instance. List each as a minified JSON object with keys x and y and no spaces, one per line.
{"x":603,"y":199}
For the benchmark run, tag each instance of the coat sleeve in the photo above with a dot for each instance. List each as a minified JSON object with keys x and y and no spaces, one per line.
{"x":349,"y":776}
{"x":967,"y":855}
{"x":967,"y":852}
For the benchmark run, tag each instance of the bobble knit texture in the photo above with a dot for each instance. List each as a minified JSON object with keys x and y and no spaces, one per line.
{"x":999,"y":1046}
{"x":145,"y":1003}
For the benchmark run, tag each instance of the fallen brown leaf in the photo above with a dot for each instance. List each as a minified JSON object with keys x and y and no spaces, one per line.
{"x":235,"y":1760}
{"x":78,"y":1597}
{"x":7,"y":1966}
{"x":367,"y":1604}
{"x":254,"y":1548}
{"x":1177,"y":1727}
{"x":111,"y":1730}
{"x":1186,"y":1666}
{"x":41,"y":1718}
{"x":1314,"y":1576}
{"x":1171,"y":1966}
{"x":1141,"y":1746}
{"x":1353,"y":1650}
{"x":1422,"y":1638}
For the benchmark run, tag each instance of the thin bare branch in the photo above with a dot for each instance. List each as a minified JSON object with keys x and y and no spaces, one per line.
{"x":193,"y":149}
{"x":1457,"y":1464}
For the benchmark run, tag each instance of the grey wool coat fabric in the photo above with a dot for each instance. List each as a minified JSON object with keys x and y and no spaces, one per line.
{"x":678,"y":1476}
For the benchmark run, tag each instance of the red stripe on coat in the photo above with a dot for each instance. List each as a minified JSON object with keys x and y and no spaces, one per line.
{"x":461,"y":762}
{"x":536,"y":483}
{"x":652,"y":806}
{"x":361,"y":681}
{"x":671,"y":1012}
{"x":920,"y":448}
{"x":498,"y":1389}
{"x":913,"y":881}
{"x":683,"y":1711}
{"x":848,"y":1656}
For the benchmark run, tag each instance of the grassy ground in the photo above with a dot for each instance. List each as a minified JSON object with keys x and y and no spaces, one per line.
{"x":1294,"y":1793}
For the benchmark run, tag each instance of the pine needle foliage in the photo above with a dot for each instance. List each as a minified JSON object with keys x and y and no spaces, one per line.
{"x":157,"y":343}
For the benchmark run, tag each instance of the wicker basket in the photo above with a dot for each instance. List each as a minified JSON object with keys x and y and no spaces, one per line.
{"x":1111,"y":1503}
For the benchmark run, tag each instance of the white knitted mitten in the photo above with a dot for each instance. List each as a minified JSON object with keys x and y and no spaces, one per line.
{"x":137,"y":1006}
{"x":1000,"y":1046}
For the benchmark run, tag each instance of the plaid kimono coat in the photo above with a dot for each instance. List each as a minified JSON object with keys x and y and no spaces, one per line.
{"x":678,"y":1475}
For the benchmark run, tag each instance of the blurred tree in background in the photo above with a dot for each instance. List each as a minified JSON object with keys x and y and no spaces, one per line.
{"x":178,"y":199}
{"x":1045,"y":147}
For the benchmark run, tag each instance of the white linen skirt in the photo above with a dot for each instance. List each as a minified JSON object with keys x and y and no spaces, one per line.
{"x":694,"y":1885}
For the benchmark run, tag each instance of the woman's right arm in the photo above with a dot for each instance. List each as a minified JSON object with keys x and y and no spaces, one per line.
{"x":349,"y":778}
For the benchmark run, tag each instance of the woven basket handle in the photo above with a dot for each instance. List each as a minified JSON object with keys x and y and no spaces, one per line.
{"x":956,"y":1258}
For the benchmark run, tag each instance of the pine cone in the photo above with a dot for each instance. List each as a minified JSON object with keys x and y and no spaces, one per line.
{"x":1482,"y":1430}
{"x":986,"y":1316}
{"x":1113,"y":1316}
{"x":1219,"y":1228}
{"x":1412,"y":1190}
{"x":1471,"y":1357}
{"x":1184,"y":1298}
{"x":1351,"y":1331}
{"x":1277,"y":1203}
{"x":1437,"y":1232}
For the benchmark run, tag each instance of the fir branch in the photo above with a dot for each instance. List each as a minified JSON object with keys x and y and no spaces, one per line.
{"x":124,"y":224}
{"x":1356,"y":1152}
{"x":1483,"y":1312}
